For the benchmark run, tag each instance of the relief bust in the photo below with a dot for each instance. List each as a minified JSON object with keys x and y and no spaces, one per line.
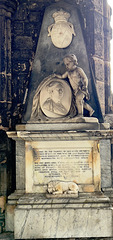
{"x":52,"y":99}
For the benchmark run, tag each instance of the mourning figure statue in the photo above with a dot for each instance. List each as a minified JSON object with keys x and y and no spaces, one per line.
{"x":56,"y":94}
{"x":79,"y":83}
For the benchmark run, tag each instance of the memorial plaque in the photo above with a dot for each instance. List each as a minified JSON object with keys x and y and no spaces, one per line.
{"x":63,"y":161}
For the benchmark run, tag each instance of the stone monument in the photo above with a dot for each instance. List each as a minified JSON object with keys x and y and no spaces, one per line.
{"x":61,"y":141}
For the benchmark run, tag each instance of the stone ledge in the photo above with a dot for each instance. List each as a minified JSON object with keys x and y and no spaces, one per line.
{"x":65,"y":135}
{"x":65,"y":126}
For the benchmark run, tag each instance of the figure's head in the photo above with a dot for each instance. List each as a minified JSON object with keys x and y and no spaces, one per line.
{"x":56,"y":91}
{"x":52,"y":186}
{"x":70,"y":61}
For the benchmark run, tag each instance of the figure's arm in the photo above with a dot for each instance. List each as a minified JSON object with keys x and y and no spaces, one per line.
{"x":65,"y":75}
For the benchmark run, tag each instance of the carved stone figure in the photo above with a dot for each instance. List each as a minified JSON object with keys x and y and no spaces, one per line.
{"x":79,"y":83}
{"x":57,"y":187}
{"x":61,"y":31}
{"x":56,"y":98}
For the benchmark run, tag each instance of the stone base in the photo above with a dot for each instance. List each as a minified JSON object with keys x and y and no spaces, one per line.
{"x":37,"y":217}
{"x":10,"y":209}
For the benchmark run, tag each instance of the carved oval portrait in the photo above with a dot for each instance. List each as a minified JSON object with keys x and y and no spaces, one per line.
{"x":55,"y":98}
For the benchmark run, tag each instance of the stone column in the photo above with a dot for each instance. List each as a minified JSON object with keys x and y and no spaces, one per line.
{"x":107,"y":37}
{"x":6,"y":10}
{"x":98,"y":34}
{"x":101,"y":54}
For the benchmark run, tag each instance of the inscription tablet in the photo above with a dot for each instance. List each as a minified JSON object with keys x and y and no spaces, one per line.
{"x":64,"y":161}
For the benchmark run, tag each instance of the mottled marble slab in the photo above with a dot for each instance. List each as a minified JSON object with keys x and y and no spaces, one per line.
{"x":76,"y":161}
{"x":62,"y":218}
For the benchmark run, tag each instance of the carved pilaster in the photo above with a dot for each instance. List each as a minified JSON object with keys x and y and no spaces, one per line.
{"x":6,"y":10}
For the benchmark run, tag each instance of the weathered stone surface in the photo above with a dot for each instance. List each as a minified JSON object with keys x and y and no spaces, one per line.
{"x":22,"y":12}
{"x":62,"y":218}
{"x":72,"y":226}
{"x":99,"y":68}
{"x":63,"y":161}
{"x":9,"y":6}
{"x":92,"y":124}
{"x":107,"y":29}
{"x":5,"y":65}
{"x":9,"y":217}
{"x":10,"y":208}
{"x":7,"y":236}
{"x":105,"y":156}
{"x":18,"y":28}
{"x":101,"y":94}
{"x":20,"y":165}
{"x":99,"y":45}
{"x":107,"y":49}
{"x":66,"y":137}
{"x":98,"y":5}
{"x":23,"y":42}
{"x":98,"y":23}
{"x":32,"y":208}
{"x":109,"y":118}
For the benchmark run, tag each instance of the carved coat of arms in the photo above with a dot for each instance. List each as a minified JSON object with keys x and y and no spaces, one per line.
{"x":61,"y":31}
